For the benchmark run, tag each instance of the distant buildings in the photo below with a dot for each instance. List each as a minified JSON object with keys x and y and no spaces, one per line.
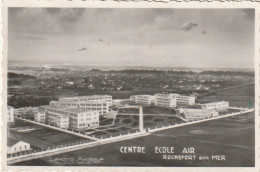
{"x":198,"y":113}
{"x":173,"y":100}
{"x":164,"y":100}
{"x":74,"y":118}
{"x":143,"y":99}
{"x":216,"y":106}
{"x":207,"y":110}
{"x":10,"y":114}
{"x":16,"y":146}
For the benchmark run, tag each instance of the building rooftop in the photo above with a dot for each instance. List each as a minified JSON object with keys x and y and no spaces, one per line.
{"x":67,"y":109}
{"x":54,"y":107}
{"x":143,"y":95}
{"x":26,"y":109}
{"x":82,"y":101}
{"x":84,"y":96}
{"x":77,"y":110}
{"x":196,"y":111}
{"x":215,"y":102}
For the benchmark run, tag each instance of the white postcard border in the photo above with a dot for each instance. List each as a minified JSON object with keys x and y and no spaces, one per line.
{"x":114,"y":4}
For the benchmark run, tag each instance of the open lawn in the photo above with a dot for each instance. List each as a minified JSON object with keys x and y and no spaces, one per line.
{"x":239,"y":96}
{"x":248,"y":90}
{"x":149,"y":120}
{"x":234,"y":140}
{"x":149,"y":110}
{"x":107,"y":121}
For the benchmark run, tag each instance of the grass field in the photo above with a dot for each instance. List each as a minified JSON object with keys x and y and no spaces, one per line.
{"x":149,"y":120}
{"x":235,"y":140}
{"x":149,"y":110}
{"x":248,"y":90}
{"x":239,"y":96}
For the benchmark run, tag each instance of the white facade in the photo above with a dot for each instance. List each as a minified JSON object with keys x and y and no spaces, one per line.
{"x":75,"y":118}
{"x":15,"y":146}
{"x":40,"y":116}
{"x":216,"y":105}
{"x":57,"y":117}
{"x":104,"y":98}
{"x":198,"y":113}
{"x":25,"y":112}
{"x":144,"y":99}
{"x":84,"y":120}
{"x":164,"y":100}
{"x":171,"y":100}
{"x":10,"y":114}
{"x":183,"y":100}
{"x":100,"y":106}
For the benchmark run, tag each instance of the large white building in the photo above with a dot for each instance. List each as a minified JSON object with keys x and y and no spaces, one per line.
{"x":56,"y":116}
{"x":25,"y":112}
{"x":165,"y":100}
{"x":183,"y":100}
{"x":75,"y":118}
{"x":143,"y":99}
{"x":198,"y":113}
{"x":15,"y":146}
{"x":40,"y":116}
{"x":84,"y":119}
{"x":95,"y":105}
{"x":104,"y":98}
{"x":10,"y":114}
{"x":216,"y":105}
{"x":171,"y":100}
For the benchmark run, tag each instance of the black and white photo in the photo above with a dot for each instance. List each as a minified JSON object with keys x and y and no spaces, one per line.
{"x":131,"y":87}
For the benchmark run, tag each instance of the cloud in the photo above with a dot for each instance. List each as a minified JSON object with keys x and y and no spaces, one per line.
{"x":54,"y":34}
{"x":82,"y":49}
{"x":189,"y":25}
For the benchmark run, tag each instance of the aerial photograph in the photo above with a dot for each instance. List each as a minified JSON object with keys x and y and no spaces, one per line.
{"x":138,"y":87}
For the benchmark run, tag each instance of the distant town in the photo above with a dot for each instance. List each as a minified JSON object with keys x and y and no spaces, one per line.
{"x":49,"y":112}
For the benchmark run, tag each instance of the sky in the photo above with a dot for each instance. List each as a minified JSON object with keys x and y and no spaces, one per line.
{"x":197,"y":38}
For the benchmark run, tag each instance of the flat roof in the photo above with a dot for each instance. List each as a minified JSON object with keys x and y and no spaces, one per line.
{"x":54,"y":107}
{"x":78,"y":110}
{"x":86,"y":96}
{"x":68,"y":109}
{"x":82,"y":101}
{"x":215,"y":102}
{"x":142,"y":95}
